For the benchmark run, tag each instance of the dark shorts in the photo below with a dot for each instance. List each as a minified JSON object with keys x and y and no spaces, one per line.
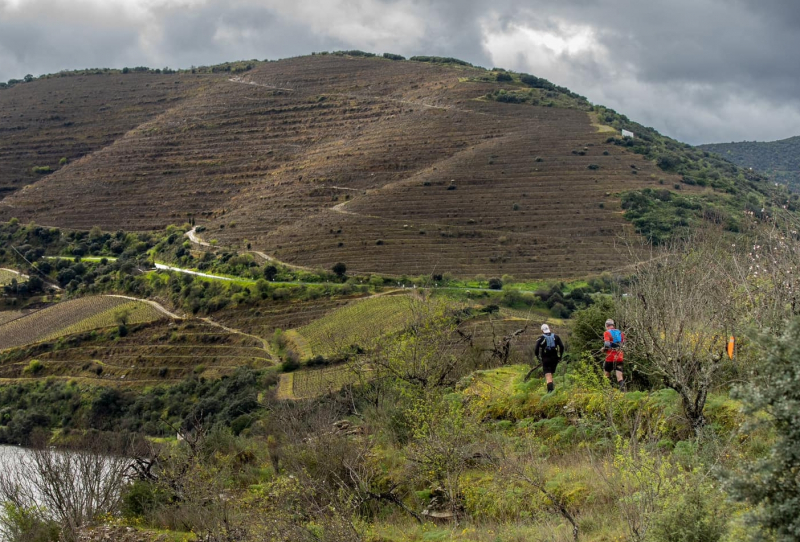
{"x":611,"y":366}
{"x":549,"y":365}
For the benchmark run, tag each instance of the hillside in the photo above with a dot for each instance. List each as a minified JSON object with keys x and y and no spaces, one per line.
{"x":392,"y":167}
{"x":778,"y":159}
{"x":53,"y":122}
{"x":74,"y":316}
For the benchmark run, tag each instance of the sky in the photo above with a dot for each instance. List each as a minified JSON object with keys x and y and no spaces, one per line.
{"x":702,"y":71}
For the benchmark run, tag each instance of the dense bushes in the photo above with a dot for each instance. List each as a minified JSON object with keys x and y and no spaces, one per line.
{"x":659,"y":215}
{"x":440,"y":60}
{"x":69,"y":406}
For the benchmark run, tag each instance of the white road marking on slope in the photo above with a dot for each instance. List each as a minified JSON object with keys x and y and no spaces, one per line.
{"x":163,"y":267}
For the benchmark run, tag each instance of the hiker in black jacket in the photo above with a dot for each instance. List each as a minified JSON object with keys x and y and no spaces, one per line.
{"x":548,"y":351}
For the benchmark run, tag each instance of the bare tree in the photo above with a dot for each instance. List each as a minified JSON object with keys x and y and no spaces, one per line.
{"x":766,"y":265}
{"x":72,"y":487}
{"x":678,"y":314}
{"x":429,"y":352}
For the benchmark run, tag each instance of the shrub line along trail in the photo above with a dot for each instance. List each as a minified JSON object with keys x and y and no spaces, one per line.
{"x":193,"y":238}
{"x":163,"y":267}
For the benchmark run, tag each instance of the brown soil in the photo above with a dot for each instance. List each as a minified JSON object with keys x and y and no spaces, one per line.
{"x":389,"y":167}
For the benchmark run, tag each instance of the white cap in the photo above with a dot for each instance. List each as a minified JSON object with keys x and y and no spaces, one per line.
{"x":609,"y":322}
{"x":545,"y":328}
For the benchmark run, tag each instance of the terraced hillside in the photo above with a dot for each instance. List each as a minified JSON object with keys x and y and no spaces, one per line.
{"x":162,"y":351}
{"x":264,"y":320}
{"x":485,"y":333}
{"x":74,"y":316}
{"x":390,"y":167}
{"x":366,"y":319}
{"x":70,"y":117}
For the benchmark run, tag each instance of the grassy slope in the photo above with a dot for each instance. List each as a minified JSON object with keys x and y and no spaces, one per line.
{"x":159,"y":352}
{"x":75,"y":316}
{"x":364,"y":320}
{"x":779,"y":159}
{"x":7,"y":276}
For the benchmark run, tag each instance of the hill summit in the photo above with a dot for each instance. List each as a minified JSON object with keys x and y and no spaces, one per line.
{"x":390,"y":166}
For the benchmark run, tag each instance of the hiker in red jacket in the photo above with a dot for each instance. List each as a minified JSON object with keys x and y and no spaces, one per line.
{"x":613,"y":340}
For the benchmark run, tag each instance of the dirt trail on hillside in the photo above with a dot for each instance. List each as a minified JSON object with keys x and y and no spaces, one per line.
{"x":155,"y":304}
{"x":161,"y":309}
{"x":192,"y":236}
{"x":264,"y":342}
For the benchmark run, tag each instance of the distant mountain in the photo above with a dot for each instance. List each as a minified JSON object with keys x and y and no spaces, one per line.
{"x":778,"y":159}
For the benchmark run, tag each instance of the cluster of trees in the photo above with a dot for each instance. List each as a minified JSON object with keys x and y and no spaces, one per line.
{"x":440,"y":60}
{"x":230,"y":401}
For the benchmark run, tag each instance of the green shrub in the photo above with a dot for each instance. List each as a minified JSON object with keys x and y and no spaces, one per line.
{"x":21,"y":525}
{"x":589,"y":324}
{"x":142,"y":498}
{"x":34,"y":367}
{"x":696,"y":513}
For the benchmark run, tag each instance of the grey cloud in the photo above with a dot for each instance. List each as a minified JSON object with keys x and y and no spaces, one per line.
{"x":700,"y":70}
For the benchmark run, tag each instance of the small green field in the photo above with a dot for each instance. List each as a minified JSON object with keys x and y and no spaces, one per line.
{"x":7,"y":276}
{"x":310,"y":383}
{"x":368,"y":318}
{"x":74,"y":316}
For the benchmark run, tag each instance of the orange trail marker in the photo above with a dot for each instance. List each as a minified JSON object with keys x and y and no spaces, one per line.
{"x":731,"y":345}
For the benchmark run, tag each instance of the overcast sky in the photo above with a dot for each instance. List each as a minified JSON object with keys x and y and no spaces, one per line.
{"x":699,"y":70}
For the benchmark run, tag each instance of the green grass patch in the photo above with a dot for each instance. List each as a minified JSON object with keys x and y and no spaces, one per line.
{"x":359,"y":321}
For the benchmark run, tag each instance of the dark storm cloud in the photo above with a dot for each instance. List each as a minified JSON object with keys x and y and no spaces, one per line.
{"x":700,"y":70}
